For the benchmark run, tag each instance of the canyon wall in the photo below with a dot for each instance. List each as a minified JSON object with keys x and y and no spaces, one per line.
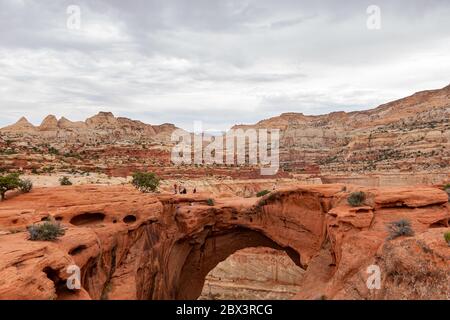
{"x":410,"y":136}
{"x":253,"y":273}
{"x":407,"y":135}
{"x":130,"y":245}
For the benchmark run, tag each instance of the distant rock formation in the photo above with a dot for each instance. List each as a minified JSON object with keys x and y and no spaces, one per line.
{"x":50,"y":123}
{"x":21,"y":126}
{"x":410,"y":134}
{"x":103,"y":127}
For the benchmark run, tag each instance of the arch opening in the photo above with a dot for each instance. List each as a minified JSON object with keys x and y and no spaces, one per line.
{"x":259,"y":273}
{"x":204,"y":254}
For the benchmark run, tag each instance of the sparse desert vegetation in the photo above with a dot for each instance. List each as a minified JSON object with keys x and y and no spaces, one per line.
{"x":65,"y":181}
{"x":447,"y":238}
{"x":8,"y":182}
{"x":12,"y":181}
{"x":145,"y":181}
{"x":25,"y":185}
{"x":262,"y":193}
{"x":356,"y":199}
{"x":46,"y":231}
{"x":399,"y":228}
{"x":447,"y":189}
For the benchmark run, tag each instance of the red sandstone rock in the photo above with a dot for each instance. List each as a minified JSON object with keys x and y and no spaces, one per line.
{"x":140,"y":246}
{"x":404,"y":142}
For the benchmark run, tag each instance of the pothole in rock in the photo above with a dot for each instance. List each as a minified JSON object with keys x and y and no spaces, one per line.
{"x":77,"y":250}
{"x":129,"y":219}
{"x":87,"y":219}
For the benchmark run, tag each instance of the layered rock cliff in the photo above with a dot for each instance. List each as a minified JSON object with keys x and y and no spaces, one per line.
{"x":407,"y":135}
{"x":253,"y":273}
{"x":130,"y":245}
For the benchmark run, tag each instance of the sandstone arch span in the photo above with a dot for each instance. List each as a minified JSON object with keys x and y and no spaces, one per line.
{"x":218,"y":246}
{"x":289,"y":221}
{"x":166,"y":251}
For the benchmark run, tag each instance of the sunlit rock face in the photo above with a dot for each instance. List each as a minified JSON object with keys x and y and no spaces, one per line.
{"x":410,"y":134}
{"x":253,"y":273}
{"x":403,"y":142}
{"x":130,"y":245}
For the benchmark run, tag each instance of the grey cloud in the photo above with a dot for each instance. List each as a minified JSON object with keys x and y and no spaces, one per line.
{"x":223,"y":62}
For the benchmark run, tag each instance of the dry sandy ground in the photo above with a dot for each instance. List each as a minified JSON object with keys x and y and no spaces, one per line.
{"x":77,"y":179}
{"x":223,"y":187}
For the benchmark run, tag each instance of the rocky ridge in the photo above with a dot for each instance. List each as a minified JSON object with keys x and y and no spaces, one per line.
{"x":101,"y":128}
{"x":134,"y":246}
{"x":408,"y":135}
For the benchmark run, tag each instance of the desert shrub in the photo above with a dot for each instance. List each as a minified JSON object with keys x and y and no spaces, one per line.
{"x":9,"y":151}
{"x":145,"y":181}
{"x":262,"y":193}
{"x":48,"y":169}
{"x":65,"y":181}
{"x":210,"y":202}
{"x":447,"y":237}
{"x":400,"y":228}
{"x":8,"y":182}
{"x":53,"y":150}
{"x":72,"y":154}
{"x":447,"y":189}
{"x":356,"y":199}
{"x":46,"y":231}
{"x":25,"y":185}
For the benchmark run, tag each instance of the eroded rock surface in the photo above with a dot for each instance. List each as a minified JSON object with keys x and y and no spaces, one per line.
{"x":403,"y":142}
{"x":254,"y":273}
{"x":130,"y":245}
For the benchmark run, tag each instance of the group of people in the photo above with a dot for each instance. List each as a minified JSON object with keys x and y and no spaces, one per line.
{"x":182,"y":190}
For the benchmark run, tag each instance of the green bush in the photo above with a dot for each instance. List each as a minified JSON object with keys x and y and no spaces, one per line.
{"x":447,"y":189}
{"x":48,"y":169}
{"x":210,"y":202}
{"x":47,"y":231}
{"x":25,"y":185}
{"x":52,"y":150}
{"x":356,"y":199}
{"x":8,"y":182}
{"x":262,"y":193}
{"x":65,"y":181}
{"x":447,"y":237}
{"x":145,"y":181}
{"x":400,"y":228}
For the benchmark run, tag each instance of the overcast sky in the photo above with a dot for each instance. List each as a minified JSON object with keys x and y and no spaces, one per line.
{"x":222,"y":62}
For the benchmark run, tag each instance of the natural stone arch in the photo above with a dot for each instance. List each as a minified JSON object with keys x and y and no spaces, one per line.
{"x":289,"y":221}
{"x":145,"y":259}
{"x":217,"y":247}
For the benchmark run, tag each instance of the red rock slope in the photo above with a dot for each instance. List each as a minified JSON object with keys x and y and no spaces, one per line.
{"x":134,"y":246}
